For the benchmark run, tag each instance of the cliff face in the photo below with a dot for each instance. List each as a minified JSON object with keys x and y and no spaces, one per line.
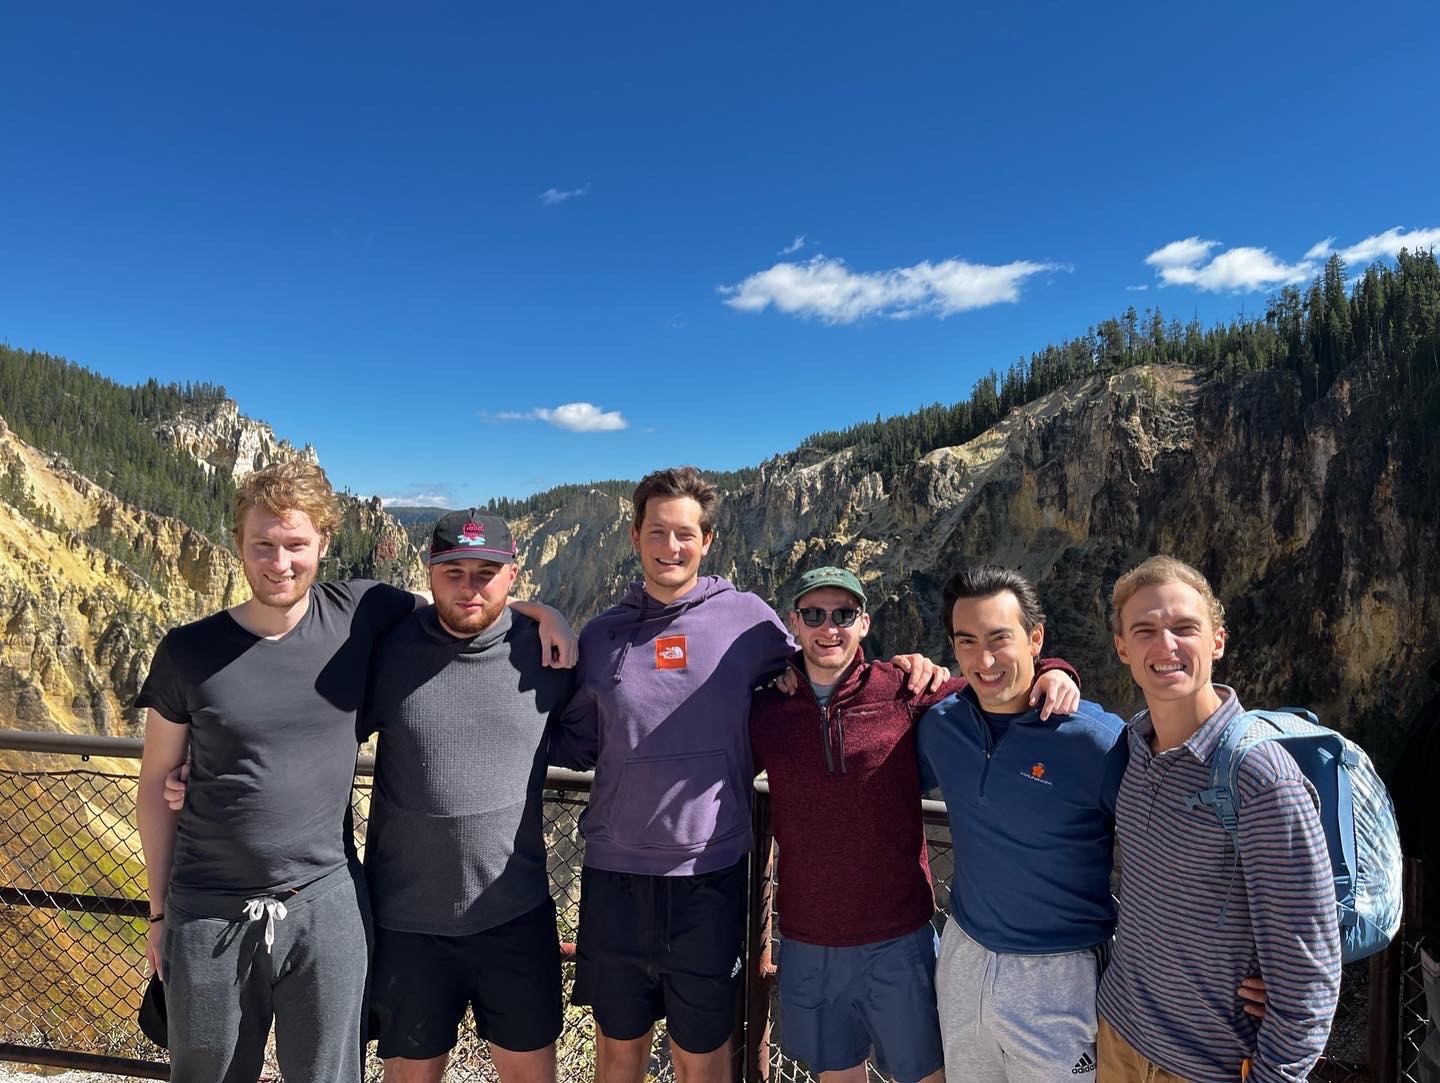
{"x":371,"y":544}
{"x":89,"y":584}
{"x":1327,"y":569}
{"x":219,"y":438}
{"x":87,"y":587}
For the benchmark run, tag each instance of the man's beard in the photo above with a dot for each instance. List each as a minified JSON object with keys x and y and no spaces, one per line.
{"x":469,"y":622}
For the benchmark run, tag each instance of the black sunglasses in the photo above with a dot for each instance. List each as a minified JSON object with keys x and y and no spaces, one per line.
{"x":814,"y":616}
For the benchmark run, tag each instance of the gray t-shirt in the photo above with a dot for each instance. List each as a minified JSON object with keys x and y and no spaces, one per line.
{"x":272,"y":738}
{"x":456,"y":841}
{"x":823,"y":692}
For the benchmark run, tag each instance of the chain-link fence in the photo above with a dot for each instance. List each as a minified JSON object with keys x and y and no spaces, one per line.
{"x":72,"y":936}
{"x":72,"y":923}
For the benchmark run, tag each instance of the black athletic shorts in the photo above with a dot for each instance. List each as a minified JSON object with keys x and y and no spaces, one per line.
{"x":662,"y":947}
{"x":509,"y":975}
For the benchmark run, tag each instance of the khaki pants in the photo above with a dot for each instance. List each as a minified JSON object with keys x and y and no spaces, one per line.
{"x":1120,"y":1062}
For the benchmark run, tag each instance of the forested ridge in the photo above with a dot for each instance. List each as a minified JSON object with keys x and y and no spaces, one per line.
{"x":106,"y":431}
{"x":1383,"y":329}
{"x":1386,"y":328}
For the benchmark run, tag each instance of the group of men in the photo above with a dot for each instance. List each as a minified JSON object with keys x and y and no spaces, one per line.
{"x":261,"y":912}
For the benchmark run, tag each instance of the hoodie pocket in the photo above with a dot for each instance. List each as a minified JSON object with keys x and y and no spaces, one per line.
{"x":684,"y":801}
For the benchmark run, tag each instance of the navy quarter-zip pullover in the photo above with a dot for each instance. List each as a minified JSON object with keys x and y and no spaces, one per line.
{"x":1032,"y":819}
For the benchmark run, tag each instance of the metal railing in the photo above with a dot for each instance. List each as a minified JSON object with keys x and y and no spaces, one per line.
{"x":73,"y":905}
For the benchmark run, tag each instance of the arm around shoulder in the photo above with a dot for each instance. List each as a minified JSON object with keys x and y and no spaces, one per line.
{"x":559,"y":646}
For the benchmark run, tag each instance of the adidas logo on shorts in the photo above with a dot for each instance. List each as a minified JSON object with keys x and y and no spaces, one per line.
{"x":1084,"y":1066}
{"x":735,"y":970}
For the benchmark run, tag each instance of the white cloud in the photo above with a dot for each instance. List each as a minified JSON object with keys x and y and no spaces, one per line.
{"x":825,"y":288}
{"x":794,"y":246}
{"x":551,"y":196}
{"x":1188,"y":263}
{"x":1184,"y":253}
{"x":575,"y":416}
{"x":1140,"y":288}
{"x":1385,"y":245}
{"x":425,"y":498}
{"x":583,"y":417}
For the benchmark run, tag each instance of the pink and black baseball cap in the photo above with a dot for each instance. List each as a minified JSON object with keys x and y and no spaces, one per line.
{"x":471,"y":535}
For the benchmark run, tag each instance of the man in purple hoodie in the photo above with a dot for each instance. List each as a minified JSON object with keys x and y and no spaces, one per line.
{"x":664,"y":685}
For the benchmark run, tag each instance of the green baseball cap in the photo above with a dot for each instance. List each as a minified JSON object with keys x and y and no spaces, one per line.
{"x":828,"y":577}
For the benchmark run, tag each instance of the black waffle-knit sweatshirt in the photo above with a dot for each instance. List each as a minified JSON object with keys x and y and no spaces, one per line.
{"x":456,"y":836}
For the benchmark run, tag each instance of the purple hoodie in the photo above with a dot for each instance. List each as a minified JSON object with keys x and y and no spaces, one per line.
{"x":664,"y":691}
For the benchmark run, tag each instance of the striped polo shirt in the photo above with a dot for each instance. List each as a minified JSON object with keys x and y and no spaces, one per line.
{"x":1170,"y":988}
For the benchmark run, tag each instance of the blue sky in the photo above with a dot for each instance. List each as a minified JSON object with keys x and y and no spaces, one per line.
{"x":438,"y":242}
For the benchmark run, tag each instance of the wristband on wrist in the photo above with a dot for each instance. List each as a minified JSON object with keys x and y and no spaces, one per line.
{"x":156,"y":917}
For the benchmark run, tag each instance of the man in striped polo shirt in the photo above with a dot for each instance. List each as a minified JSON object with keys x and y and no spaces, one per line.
{"x":1196,"y":918}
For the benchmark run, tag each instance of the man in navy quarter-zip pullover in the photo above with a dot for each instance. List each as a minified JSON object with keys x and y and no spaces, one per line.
{"x":1032,"y":809}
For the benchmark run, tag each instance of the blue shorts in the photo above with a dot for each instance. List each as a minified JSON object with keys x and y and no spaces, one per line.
{"x":837,"y":1004}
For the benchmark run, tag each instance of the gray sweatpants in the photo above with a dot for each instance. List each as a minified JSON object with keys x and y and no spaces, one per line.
{"x":1016,"y":1018}
{"x":225,"y":984}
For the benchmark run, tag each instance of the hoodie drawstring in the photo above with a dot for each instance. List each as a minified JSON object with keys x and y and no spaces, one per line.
{"x":629,"y":639}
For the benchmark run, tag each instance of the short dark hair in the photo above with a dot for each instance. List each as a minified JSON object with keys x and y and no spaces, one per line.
{"x":982,"y":582}
{"x":676,"y":481}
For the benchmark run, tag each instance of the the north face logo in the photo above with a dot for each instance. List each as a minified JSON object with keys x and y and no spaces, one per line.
{"x":1084,"y":1066}
{"x":670,"y":653}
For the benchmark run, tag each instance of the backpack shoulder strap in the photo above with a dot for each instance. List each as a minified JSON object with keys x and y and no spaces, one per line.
{"x":1232,"y":748}
{"x":1222,"y":795}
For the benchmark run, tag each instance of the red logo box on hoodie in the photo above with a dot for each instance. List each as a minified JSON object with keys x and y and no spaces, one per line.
{"x":670,"y":652}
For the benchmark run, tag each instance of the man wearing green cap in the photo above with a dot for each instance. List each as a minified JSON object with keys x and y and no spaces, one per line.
{"x":857,"y":971}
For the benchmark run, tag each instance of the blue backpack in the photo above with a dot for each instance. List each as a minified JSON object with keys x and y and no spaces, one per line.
{"x":1355,"y":811}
